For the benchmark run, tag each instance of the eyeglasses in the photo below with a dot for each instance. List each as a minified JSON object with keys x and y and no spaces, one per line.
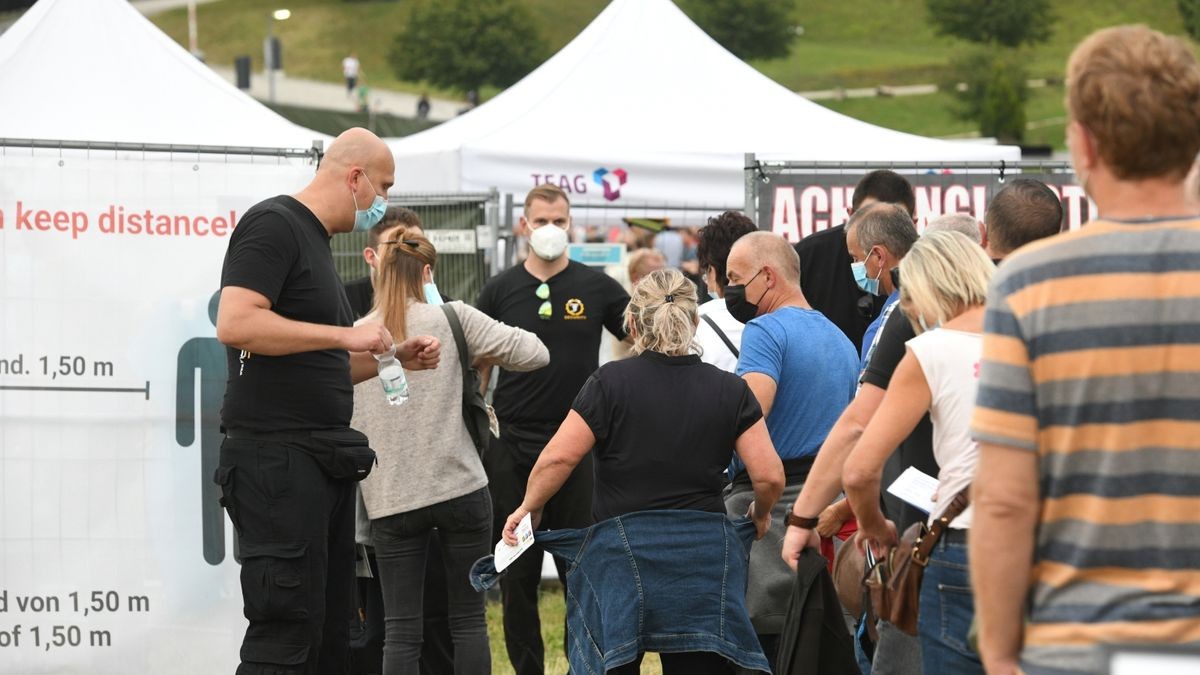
{"x":543,"y":293}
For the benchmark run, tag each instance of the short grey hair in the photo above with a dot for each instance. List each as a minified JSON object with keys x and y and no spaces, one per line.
{"x":768,"y":248}
{"x":885,"y":225}
{"x":956,"y":222}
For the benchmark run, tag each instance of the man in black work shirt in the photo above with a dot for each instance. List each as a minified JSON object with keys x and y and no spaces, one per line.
{"x":828,"y":282}
{"x":567,"y":305}
{"x":293,"y":359}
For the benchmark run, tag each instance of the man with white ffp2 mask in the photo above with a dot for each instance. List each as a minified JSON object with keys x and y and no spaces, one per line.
{"x":567,"y":305}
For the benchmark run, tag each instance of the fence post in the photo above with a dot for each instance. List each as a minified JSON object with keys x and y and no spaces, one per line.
{"x":492,"y":221}
{"x":509,"y":242}
{"x":750,"y":207}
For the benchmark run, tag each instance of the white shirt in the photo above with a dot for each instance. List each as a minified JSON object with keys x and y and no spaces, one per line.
{"x":950,"y":361}
{"x":716,"y":351}
{"x":350,"y":66}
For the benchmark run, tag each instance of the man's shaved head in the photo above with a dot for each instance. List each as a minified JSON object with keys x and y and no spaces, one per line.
{"x":360,"y":147}
{"x":769,"y":249}
{"x":357,"y":169}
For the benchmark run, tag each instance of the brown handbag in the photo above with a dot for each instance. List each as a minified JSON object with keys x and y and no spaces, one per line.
{"x":894,"y":582}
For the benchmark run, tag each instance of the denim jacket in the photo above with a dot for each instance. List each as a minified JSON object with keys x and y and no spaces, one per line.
{"x":652,"y":581}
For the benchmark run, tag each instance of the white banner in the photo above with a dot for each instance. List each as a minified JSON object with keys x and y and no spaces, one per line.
{"x":110,"y":388}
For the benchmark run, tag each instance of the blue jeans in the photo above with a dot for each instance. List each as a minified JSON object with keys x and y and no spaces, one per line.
{"x":464,"y":526}
{"x":947,"y":607}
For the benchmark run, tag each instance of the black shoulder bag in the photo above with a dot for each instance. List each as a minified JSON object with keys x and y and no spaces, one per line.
{"x":474,"y":408}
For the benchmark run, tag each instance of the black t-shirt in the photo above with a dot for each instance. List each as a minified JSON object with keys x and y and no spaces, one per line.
{"x":829,"y":286}
{"x":917,"y":449}
{"x":583,"y":301}
{"x":665,"y":430}
{"x":281,"y":250}
{"x":361,"y":295}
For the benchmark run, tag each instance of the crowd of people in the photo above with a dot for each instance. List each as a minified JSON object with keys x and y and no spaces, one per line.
{"x":1043,"y":380}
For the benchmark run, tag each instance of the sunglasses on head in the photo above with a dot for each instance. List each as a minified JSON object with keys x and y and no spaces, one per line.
{"x":411,"y":243}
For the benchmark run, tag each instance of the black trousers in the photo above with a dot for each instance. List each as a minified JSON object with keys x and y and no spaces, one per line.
{"x":296,"y":535}
{"x":681,"y":663}
{"x":437,"y":647}
{"x":570,"y":507}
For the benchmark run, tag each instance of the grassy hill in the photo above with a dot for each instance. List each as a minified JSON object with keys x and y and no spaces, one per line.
{"x":853,"y":43}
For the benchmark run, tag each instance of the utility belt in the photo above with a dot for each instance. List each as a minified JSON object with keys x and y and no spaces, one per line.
{"x":342,"y":454}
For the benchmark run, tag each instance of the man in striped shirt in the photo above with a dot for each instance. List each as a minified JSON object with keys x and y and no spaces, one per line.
{"x":1087,"y":497}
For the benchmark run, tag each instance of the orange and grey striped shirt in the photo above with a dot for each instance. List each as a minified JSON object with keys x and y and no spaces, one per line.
{"x":1091,"y":358}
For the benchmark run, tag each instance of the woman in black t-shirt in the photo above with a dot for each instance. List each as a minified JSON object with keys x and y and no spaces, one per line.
{"x":663,"y":427}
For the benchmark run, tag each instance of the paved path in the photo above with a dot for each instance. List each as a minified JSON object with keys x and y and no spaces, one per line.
{"x":152,"y":7}
{"x":312,"y":93}
{"x":885,"y":90}
{"x":332,"y":96}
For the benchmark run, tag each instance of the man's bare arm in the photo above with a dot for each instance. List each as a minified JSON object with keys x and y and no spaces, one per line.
{"x":246,"y":321}
{"x":1005,"y":497}
{"x":764,"y":389}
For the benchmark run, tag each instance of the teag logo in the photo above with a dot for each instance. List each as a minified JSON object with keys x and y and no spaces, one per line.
{"x":611,"y":181}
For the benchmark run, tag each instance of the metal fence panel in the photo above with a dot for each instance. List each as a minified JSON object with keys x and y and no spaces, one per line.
{"x":462,"y":226}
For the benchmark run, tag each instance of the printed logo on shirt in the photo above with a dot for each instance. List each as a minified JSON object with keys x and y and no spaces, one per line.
{"x":574,"y":309}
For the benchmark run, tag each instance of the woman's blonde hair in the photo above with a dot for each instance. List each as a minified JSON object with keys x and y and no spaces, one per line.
{"x":662,"y":314}
{"x":944,"y":274}
{"x":402,"y":261}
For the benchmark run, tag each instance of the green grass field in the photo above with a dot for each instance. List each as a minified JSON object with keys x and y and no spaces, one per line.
{"x":933,"y":115}
{"x":862,"y":43}
{"x":848,"y":44}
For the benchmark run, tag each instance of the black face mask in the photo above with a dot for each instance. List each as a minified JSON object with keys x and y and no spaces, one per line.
{"x":735,"y":301}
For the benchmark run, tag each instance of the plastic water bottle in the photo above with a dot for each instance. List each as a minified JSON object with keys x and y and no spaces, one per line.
{"x":391,"y":374}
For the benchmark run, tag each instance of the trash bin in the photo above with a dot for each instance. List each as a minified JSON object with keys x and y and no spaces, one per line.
{"x":241,"y":66}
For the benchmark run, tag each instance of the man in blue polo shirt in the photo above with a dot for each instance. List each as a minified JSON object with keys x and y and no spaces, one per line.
{"x":802,"y":369}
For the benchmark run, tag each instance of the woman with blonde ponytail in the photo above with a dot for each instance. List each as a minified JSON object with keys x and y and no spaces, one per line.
{"x":429,"y":473}
{"x":663,"y":426}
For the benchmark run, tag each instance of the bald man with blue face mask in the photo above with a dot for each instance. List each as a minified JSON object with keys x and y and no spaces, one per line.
{"x":290,"y":460}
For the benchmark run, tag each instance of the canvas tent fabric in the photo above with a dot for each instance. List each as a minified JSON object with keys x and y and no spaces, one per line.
{"x":98,"y":71}
{"x":644,"y":89}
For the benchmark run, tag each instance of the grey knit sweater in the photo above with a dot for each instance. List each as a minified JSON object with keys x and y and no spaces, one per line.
{"x":425,"y":453}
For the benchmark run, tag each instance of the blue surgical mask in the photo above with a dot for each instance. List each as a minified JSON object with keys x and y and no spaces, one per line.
{"x":431,"y":294}
{"x":867,"y":284}
{"x":370,"y":217}
{"x":924,"y":327}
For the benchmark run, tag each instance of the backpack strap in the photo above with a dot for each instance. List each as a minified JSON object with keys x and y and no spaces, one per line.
{"x":721,"y":334}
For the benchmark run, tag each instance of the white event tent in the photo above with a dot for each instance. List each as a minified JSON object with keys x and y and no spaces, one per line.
{"x":644,"y":89}
{"x":98,"y":71}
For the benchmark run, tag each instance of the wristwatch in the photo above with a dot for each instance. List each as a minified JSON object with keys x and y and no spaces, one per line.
{"x":794,"y":520}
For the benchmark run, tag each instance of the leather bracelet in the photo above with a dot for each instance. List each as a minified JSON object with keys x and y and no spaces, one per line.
{"x":794,"y":520}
